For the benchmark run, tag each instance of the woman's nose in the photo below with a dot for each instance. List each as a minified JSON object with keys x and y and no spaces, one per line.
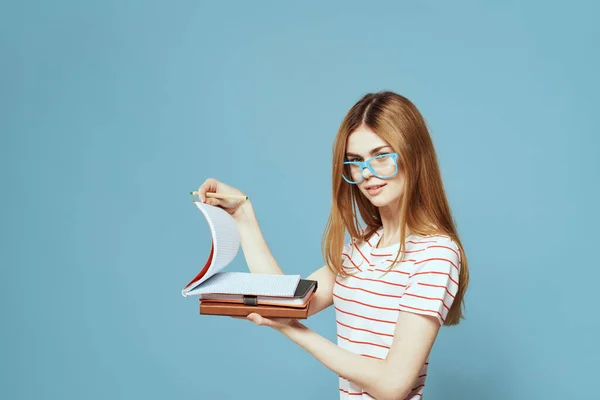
{"x":366,"y":173}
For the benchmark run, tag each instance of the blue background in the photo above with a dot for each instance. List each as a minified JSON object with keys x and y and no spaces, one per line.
{"x":111,"y":112}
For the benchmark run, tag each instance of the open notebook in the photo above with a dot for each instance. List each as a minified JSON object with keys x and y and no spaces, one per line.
{"x":241,"y":287}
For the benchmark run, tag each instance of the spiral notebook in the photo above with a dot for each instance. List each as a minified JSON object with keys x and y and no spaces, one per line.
{"x":270,"y":307}
{"x":242,"y":288}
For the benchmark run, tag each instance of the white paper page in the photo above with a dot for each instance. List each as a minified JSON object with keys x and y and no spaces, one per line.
{"x":225,"y":237}
{"x":250,"y":284}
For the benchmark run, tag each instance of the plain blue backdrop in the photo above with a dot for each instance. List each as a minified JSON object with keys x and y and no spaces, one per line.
{"x":112,"y":111}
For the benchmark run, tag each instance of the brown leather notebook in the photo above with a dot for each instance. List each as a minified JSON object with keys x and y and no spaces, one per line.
{"x":246,"y":305}
{"x":242,"y":310}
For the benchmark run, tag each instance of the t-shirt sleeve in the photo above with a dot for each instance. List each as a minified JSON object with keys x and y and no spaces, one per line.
{"x":433,"y":283}
{"x":352,"y":261}
{"x":347,"y":253}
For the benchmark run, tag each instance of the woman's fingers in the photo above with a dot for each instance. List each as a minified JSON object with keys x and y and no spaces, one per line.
{"x":209,"y":185}
{"x":220,"y":198}
{"x":252,"y":317}
{"x":212,"y":201}
{"x":260,"y":320}
{"x":256,"y":318}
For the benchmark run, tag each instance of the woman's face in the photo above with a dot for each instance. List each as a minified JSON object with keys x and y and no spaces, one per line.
{"x":363,"y":144}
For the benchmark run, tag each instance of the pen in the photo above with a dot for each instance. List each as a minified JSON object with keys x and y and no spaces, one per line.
{"x":222,"y":196}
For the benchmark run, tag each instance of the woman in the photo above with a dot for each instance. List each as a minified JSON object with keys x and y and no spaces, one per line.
{"x":400,"y":277}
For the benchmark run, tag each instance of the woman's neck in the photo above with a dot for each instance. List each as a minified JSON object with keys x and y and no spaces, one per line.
{"x":390,"y":222}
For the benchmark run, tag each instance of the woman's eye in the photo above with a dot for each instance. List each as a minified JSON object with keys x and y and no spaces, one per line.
{"x":354,"y":159}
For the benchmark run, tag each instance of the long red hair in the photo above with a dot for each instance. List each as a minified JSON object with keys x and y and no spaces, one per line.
{"x":423,"y":207}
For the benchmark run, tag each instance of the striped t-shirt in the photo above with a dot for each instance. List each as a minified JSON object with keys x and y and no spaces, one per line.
{"x":367,"y":304}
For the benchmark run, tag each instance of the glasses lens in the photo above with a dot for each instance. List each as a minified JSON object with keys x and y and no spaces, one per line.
{"x":352,"y":173}
{"x":383,"y":166}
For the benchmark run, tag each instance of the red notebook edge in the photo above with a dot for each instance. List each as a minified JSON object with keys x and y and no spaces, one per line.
{"x":204,"y":269}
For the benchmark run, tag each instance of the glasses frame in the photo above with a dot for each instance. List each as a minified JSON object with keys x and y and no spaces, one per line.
{"x":367,"y":164}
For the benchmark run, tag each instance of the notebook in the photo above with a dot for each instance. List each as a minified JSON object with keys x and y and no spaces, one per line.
{"x":241,"y":310}
{"x":303,"y":294}
{"x":215,"y":286}
{"x":268,"y":307}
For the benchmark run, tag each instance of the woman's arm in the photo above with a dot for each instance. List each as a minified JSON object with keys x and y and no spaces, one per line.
{"x":391,"y":378}
{"x":258,"y":256}
{"x":323,"y":297}
{"x":260,"y":260}
{"x":431,"y":289}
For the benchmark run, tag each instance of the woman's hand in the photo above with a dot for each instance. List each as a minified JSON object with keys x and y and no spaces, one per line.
{"x":276,"y":323}
{"x":233,"y":207}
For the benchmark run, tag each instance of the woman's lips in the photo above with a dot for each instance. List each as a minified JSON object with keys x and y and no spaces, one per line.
{"x":374,"y":190}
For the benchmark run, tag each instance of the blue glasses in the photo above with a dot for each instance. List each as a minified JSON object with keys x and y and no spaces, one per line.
{"x":382,"y":166}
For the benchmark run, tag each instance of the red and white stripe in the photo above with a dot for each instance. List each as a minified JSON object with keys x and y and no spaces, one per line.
{"x":368,"y":303}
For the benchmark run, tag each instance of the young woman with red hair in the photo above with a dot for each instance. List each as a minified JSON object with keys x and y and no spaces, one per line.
{"x":402,"y":274}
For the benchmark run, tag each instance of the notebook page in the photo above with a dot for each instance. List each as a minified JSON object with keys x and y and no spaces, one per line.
{"x":249,"y":284}
{"x":225,"y":237}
